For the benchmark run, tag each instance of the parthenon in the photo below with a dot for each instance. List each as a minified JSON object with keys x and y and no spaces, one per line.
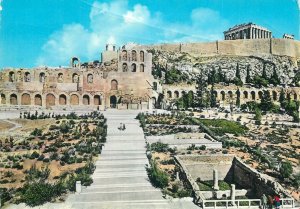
{"x":247,"y":31}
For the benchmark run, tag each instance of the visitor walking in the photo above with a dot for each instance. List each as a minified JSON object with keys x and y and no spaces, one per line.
{"x":277,"y":201}
{"x":270,"y":201}
{"x":264,"y":201}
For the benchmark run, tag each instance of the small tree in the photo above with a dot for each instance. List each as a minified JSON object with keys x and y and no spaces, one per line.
{"x":248,"y":77}
{"x":286,"y":169}
{"x":238,"y":98}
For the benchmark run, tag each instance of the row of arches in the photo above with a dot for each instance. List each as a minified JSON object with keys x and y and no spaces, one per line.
{"x":26,"y":77}
{"x":133,"y":68}
{"x":253,"y":95}
{"x":49,"y":99}
{"x":176,"y":94}
{"x":127,"y":56}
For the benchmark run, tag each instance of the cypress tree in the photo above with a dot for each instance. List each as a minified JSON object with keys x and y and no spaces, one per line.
{"x":248,"y":77}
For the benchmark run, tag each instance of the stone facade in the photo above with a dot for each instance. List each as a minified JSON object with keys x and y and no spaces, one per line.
{"x":98,"y":84}
{"x":288,"y":36}
{"x":247,"y":31}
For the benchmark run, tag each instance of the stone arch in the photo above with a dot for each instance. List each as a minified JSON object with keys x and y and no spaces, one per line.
{"x":113,"y":101}
{"x":215,"y":93}
{"x":42,"y":77}
{"x":125,"y":67}
{"x":62,"y":99}
{"x":114,"y":85}
{"x":75,"y":78}
{"x":38,"y":100}
{"x":142,"y":68}
{"x":25,"y":99}
{"x":230,"y":94}
{"x":3,"y":99}
{"x":133,"y":55}
{"x":12,"y":76}
{"x":142,"y":56}
{"x":27,"y":77}
{"x":222,"y":95}
{"x":295,"y":96}
{"x":13,"y":99}
{"x":97,"y":100}
{"x":90,"y":78}
{"x":169,"y":94}
{"x":183,"y":93}
{"x":176,"y":94}
{"x":50,"y":100}
{"x":86,"y":99}
{"x":253,"y":96}
{"x":133,"y":67}
{"x":288,"y":96}
{"x":124,"y":55}
{"x":274,"y":95}
{"x":75,"y":62}
{"x":74,"y":100}
{"x":245,"y":93}
{"x":60,"y":78}
{"x":260,"y":94}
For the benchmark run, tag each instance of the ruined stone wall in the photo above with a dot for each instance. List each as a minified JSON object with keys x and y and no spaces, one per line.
{"x":202,"y":166}
{"x":259,"y":183}
{"x":241,"y":47}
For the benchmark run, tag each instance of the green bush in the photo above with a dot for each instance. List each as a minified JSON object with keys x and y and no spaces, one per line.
{"x":157,"y":177}
{"x":286,"y":169}
{"x":159,"y":147}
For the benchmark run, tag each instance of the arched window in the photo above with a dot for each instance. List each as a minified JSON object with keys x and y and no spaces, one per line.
{"x":74,"y":100}
{"x":124,"y":55}
{"x":124,"y":67}
{"x":97,"y":100}
{"x":133,"y":67}
{"x":114,"y":85}
{"x":253,"y":95}
{"x":183,"y":93}
{"x":75,"y":62}
{"x":169,"y":94}
{"x":42,"y":77}
{"x":75,"y":78}
{"x":3,"y":99}
{"x":12,"y":77}
{"x":176,"y":94}
{"x":133,"y":54}
{"x":60,"y":78}
{"x":90,"y":78}
{"x":38,"y":100}
{"x":230,"y":94}
{"x":13,"y":99}
{"x":245,"y":94}
{"x":142,"y":68}
{"x":274,"y":95}
{"x":62,"y":99}
{"x":260,"y":94}
{"x":27,"y":77}
{"x":223,"y":95}
{"x":25,"y":99}
{"x":142,"y":58}
{"x":86,"y":100}
{"x":50,"y":100}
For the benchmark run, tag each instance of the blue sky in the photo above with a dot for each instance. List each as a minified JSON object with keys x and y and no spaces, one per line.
{"x":50,"y":32}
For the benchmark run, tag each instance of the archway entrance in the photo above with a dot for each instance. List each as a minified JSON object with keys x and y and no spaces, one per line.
{"x":113,"y":101}
{"x":38,"y":100}
{"x":97,"y":100}
{"x":50,"y":100}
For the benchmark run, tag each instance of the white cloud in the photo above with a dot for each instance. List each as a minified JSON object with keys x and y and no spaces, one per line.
{"x":298,"y":4}
{"x":116,"y":23}
{"x":1,"y":8}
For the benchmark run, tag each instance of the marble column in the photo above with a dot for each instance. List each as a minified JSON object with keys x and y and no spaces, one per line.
{"x":216,"y":179}
{"x":232,"y":194}
{"x":78,"y":186}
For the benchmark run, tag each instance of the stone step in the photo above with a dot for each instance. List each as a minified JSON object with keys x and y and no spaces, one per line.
{"x":111,"y":189}
{"x":119,"y":175}
{"x":121,"y":180}
{"x":108,"y":157}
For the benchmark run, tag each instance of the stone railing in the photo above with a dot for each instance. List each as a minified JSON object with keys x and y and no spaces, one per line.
{"x":243,"y":203}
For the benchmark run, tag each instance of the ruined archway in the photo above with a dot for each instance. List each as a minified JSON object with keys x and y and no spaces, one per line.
{"x":169,"y":94}
{"x":260,"y":94}
{"x":253,"y":95}
{"x":124,"y":55}
{"x":97,"y":100}
{"x":133,"y":56}
{"x":142,"y":56}
{"x":113,"y":101}
{"x":142,"y":68}
{"x":38,"y":100}
{"x":114,"y":85}
{"x":133,"y":67}
{"x":13,"y":99}
{"x":25,"y":99}
{"x":62,"y":99}
{"x":11,"y":76}
{"x":176,"y":94}
{"x":86,"y":100}
{"x":74,"y":99}
{"x":3,"y":99}
{"x":50,"y":100}
{"x":222,"y":95}
{"x":274,"y":95}
{"x":245,"y":93}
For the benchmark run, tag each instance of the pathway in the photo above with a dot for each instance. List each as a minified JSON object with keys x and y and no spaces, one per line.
{"x":120,"y":178}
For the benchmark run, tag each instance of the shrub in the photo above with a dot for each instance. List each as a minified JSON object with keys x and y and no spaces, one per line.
{"x":159,"y":147}
{"x":36,"y":132}
{"x":34,"y":155}
{"x":157,"y":177}
{"x":286,"y":169}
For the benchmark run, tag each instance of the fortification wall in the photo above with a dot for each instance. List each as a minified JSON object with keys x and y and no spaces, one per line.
{"x":242,"y":47}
